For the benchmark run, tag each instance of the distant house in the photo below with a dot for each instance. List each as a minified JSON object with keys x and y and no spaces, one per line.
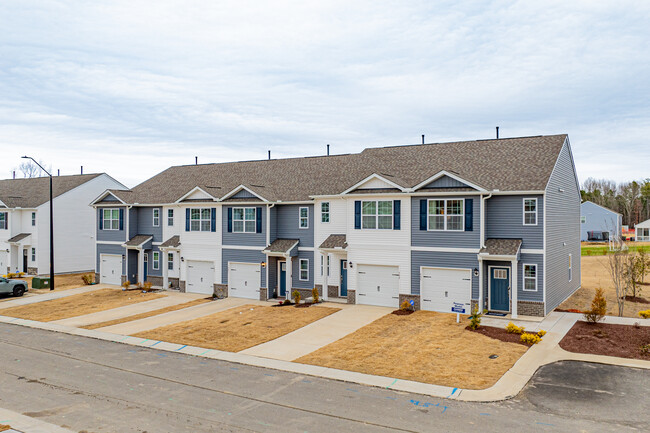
{"x":643,"y":231}
{"x":597,"y":223}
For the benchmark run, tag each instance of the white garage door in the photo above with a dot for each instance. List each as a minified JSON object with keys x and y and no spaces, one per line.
{"x":378,"y":285}
{"x":110,"y":270}
{"x":244,"y":280}
{"x":441,"y":288}
{"x":200,"y":277}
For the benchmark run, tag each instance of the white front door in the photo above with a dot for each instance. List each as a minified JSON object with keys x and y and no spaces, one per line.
{"x":244,"y":280}
{"x":200,"y":277}
{"x":110,"y":269}
{"x":441,"y":289}
{"x":378,"y":285}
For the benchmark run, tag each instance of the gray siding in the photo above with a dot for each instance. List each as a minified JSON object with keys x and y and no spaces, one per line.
{"x":505,"y":215}
{"x":273,"y":226}
{"x":242,"y":256}
{"x":272,"y":265}
{"x":145,"y":224}
{"x":446,"y":182}
{"x":562,"y":231}
{"x":442,"y":260}
{"x":530,"y":259}
{"x":243,"y":239}
{"x":424,"y":238}
{"x":109,"y":249}
{"x":599,"y":219}
{"x":287,"y":222}
{"x":110,"y":235}
{"x":151,"y":271}
{"x":133,"y":222}
{"x":109,"y":199}
{"x":295,"y":270}
{"x":133,"y":265}
{"x":245,"y":194}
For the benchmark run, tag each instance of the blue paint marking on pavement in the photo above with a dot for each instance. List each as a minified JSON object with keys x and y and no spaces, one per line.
{"x":394,"y":382}
{"x":350,"y":389}
{"x":154,"y":344}
{"x":205,"y":352}
{"x":162,"y":355}
{"x":234,"y":368}
{"x":486,"y":414}
{"x":133,"y":351}
{"x":267,"y":374}
{"x":392,"y":398}
{"x":307,"y":381}
{"x":543,"y":423}
{"x":444,"y":410}
{"x":125,"y":338}
{"x":144,"y":341}
{"x":181,"y":348}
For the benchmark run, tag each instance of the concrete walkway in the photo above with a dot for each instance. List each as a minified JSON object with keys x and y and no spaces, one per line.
{"x":26,"y":300}
{"x":177,"y":316}
{"x":170,"y":300}
{"x":319,"y":333}
{"x":25,"y":424}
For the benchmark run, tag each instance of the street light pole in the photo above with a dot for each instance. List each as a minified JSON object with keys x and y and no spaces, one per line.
{"x":51,"y":224}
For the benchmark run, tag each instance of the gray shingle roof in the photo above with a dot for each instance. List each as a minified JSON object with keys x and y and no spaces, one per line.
{"x":281,"y":246}
{"x":138,"y":240}
{"x":501,"y":247}
{"x":33,"y":192}
{"x":512,"y":164}
{"x":173,"y":242}
{"x":334,"y":241}
{"x":18,"y":237}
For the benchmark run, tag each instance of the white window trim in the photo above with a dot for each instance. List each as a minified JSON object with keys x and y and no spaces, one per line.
{"x":444,"y":215}
{"x":300,"y":218}
{"x":33,"y":255}
{"x":156,"y":261}
{"x":524,"y":212}
{"x":170,"y":255}
{"x":329,"y":213}
{"x":243,"y":220}
{"x":583,"y":219}
{"x":170,"y":219}
{"x":33,"y":219}
{"x":376,"y":214}
{"x":300,"y":270}
{"x":110,"y":209}
{"x":536,"y":278}
{"x":570,"y":267}
{"x":155,"y":217}
{"x":4,"y":220}
{"x":321,"y":265}
{"x":200,"y":220}
{"x":328,"y":265}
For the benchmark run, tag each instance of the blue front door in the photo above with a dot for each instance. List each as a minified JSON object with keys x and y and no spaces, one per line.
{"x":283,"y":279}
{"x":499,"y":289}
{"x":146,"y":266}
{"x":344,"y":278}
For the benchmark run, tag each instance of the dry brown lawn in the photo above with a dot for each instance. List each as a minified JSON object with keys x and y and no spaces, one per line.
{"x":147,"y":314}
{"x":78,"y":305}
{"x":425,"y":347}
{"x":594,"y":275}
{"x":61,"y":282}
{"x":4,"y":427}
{"x":238,"y":328}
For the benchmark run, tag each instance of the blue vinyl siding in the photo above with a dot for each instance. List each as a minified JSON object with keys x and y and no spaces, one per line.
{"x":272,"y":265}
{"x":599,"y":219}
{"x":242,"y":256}
{"x":445,"y":182}
{"x":245,"y":194}
{"x":436,"y":259}
{"x":287,"y":221}
{"x":110,"y":235}
{"x":505,"y":215}
{"x":109,"y":249}
{"x":295,"y":270}
{"x":133,"y":222}
{"x":145,"y":224}
{"x":243,"y":239}
{"x":273,"y":226}
{"x":528,"y":259}
{"x":155,"y":272}
{"x":109,"y":199}
{"x":132,"y":256}
{"x":464,"y":239}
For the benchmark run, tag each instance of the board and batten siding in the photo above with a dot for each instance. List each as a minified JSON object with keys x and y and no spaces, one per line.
{"x":242,"y":256}
{"x":562,"y":230}
{"x":287,"y":224}
{"x":111,"y":235}
{"x":145,"y":224}
{"x":446,"y":239}
{"x":505,"y":220}
{"x":243,"y":239}
{"x":435,"y":259}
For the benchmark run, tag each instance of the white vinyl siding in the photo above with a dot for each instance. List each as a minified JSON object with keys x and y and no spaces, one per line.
{"x":200,"y":220}
{"x":243,"y":220}
{"x":530,"y":278}
{"x":304,"y":218}
{"x":304,"y":269}
{"x":446,"y":215}
{"x":325,"y":212}
{"x":530,"y":211}
{"x":111,"y":219}
{"x":377,"y":215}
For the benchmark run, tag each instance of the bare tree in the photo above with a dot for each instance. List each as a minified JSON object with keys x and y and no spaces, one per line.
{"x":30,"y":169}
{"x":617,"y":268}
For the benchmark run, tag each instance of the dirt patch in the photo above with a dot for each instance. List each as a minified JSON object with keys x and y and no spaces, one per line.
{"x":238,"y":328}
{"x":424,"y":346}
{"x":78,"y":305}
{"x":148,"y":314}
{"x":637,"y":299}
{"x":402,"y":312}
{"x":498,"y":334}
{"x":623,"y":341}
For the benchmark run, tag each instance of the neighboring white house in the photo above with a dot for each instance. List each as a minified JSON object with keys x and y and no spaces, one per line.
{"x":596,"y":220}
{"x":642,"y":231}
{"x":25,"y":223}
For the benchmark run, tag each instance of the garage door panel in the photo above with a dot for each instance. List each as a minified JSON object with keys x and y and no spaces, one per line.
{"x":200,"y":277}
{"x":244,"y":280}
{"x":110,"y":271}
{"x":441,"y":288}
{"x":378,"y":285}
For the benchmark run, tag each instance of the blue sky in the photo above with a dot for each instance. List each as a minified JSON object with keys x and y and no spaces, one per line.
{"x":132,"y":87}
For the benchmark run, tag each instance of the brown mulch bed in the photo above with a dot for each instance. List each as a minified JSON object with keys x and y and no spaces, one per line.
{"x":623,"y":341}
{"x":637,"y":299}
{"x":402,"y":312}
{"x":570,"y":310}
{"x":498,"y":334}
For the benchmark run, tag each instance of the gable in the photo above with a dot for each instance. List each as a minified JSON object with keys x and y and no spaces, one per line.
{"x":446,"y":182}
{"x":245,"y":194}
{"x":109,"y":199}
{"x":198,"y":195}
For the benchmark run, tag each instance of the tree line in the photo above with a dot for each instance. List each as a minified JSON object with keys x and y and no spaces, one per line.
{"x":630,"y":199}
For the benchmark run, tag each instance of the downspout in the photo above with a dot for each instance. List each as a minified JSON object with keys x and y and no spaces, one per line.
{"x":481,"y":303}
{"x":126,"y":252}
{"x":268,"y":242}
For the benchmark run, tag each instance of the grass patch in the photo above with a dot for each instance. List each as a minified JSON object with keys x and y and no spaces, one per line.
{"x":601,"y":249}
{"x":425,"y":347}
{"x":238,"y":328}
{"x":78,"y":305}
{"x":147,"y":314}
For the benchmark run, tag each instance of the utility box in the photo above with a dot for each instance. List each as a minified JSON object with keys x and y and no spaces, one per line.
{"x":40,"y":283}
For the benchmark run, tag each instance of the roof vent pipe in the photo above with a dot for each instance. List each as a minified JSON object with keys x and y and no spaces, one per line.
{"x":82,"y":169}
{"x":269,"y":155}
{"x":422,"y":138}
{"x":196,"y":160}
{"x":58,"y":172}
{"x":14,"y":174}
{"x":328,"y":150}
{"x":497,"y":132}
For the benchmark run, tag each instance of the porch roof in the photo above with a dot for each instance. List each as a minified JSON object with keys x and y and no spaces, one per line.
{"x":501,"y":247}
{"x":18,"y":238}
{"x":138,"y":241}
{"x":281,"y":246}
{"x":334,"y":242}
{"x":173,"y":242}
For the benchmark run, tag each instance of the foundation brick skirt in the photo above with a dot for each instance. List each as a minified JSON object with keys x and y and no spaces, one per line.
{"x":332,"y":291}
{"x":264,"y":293}
{"x":156,"y":281}
{"x":352,"y":296}
{"x":32,"y":271}
{"x":97,"y":277}
{"x":220,"y":291}
{"x":173,"y":283}
{"x":181,"y":286}
{"x":527,"y":308}
{"x":414,"y":298}
{"x":306,"y":293}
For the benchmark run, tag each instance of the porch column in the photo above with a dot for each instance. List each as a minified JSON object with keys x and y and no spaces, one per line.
{"x":165,"y":265}
{"x":325,"y":279}
{"x":288,"y":277}
{"x":140,"y":265}
{"x":513,"y":279}
{"x":480,"y":285}
{"x":126,"y":264}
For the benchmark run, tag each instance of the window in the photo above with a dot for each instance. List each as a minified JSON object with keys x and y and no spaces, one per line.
{"x":530,"y":278}
{"x":3,"y":220}
{"x":33,"y":219}
{"x":570,"y":267}
{"x":500,"y":274}
{"x":156,"y":217}
{"x":328,"y":265}
{"x":325,"y":212}
{"x":111,"y":219}
{"x":304,"y":270}
{"x":304,"y":218}
{"x":170,"y":217}
{"x":33,"y":254}
{"x":321,"y":265}
{"x":200,"y":220}
{"x":446,"y":214}
{"x":377,"y":215}
{"x":156,"y":260}
{"x":530,"y":211}
{"x":583,"y":219}
{"x":243,"y":220}
{"x":170,"y":261}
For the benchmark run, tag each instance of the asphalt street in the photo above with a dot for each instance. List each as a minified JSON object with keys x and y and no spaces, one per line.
{"x":95,"y":386}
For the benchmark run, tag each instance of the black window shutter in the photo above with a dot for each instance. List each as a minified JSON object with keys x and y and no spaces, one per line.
{"x":258,"y":220}
{"x":423,"y":214}
{"x":121,"y":219}
{"x":187,"y":219}
{"x":469,"y":214}
{"x":229,"y":220}
{"x":397,"y":217}
{"x":101,"y":219}
{"x":357,"y":214}
{"x":213,"y":219}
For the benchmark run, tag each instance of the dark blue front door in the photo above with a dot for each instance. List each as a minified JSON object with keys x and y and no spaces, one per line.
{"x":146,"y":266}
{"x":283,"y":279}
{"x":344,"y":278}
{"x":499,"y":288}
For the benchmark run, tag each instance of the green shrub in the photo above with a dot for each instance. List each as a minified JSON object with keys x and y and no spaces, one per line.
{"x":598,"y":308}
{"x":405,"y":306}
{"x":126,"y":284}
{"x":475,"y":319}
{"x":314,"y":295}
{"x":296,"y":296}
{"x":88,"y":279}
{"x":529,"y":338}
{"x":511,"y":328}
